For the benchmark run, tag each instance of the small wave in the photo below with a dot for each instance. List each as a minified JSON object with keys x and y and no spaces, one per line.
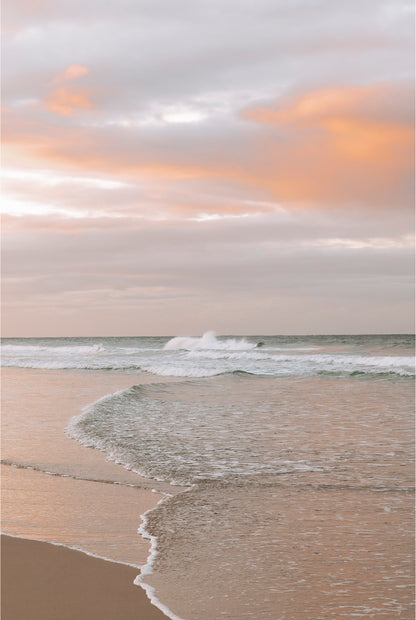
{"x":228,"y":355}
{"x":208,"y":341}
{"x":178,"y":371}
{"x":381,"y":374}
{"x":194,"y":372}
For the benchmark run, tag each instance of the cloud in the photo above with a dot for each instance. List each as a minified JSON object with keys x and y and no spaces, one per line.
{"x":206,"y":273}
{"x":376,"y":103}
{"x":68,"y":101}
{"x":212,"y":50}
{"x":73,"y":72}
{"x":329,"y":148}
{"x":339,"y":145}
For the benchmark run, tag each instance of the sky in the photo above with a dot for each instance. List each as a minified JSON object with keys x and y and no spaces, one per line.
{"x":177,"y":166}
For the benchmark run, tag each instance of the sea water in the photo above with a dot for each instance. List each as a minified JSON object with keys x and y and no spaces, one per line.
{"x":290,"y":458}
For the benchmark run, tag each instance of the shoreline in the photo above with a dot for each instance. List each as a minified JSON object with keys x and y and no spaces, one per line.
{"x":62,"y":467}
{"x":42,"y":580}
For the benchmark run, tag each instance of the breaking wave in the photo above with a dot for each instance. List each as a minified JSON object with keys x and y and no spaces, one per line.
{"x":206,"y":342}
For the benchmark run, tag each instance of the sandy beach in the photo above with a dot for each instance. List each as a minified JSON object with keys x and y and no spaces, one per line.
{"x":41,"y":581}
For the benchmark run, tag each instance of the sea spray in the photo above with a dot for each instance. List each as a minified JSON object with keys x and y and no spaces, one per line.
{"x":206,"y":342}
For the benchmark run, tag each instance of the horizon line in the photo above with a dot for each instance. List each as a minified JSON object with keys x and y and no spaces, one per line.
{"x":299,"y":335}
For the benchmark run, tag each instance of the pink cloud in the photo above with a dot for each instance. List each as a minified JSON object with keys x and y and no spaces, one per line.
{"x":68,"y":101}
{"x":73,"y":72}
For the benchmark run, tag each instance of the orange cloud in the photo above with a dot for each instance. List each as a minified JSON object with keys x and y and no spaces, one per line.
{"x":352,"y":144}
{"x":30,"y":144}
{"x":328,"y":148}
{"x":374,"y":102}
{"x":67,"y":101}
{"x":73,"y":72}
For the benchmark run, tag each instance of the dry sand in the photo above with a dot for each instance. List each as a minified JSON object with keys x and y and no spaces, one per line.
{"x":41,"y":581}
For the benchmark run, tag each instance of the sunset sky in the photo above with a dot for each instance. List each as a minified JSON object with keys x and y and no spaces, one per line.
{"x":177,"y":166}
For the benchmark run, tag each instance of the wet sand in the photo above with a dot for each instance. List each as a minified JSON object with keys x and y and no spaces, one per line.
{"x":41,"y":581}
{"x":56,"y":490}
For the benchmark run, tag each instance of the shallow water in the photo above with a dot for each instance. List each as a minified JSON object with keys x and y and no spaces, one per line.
{"x":227,"y":427}
{"x":285,"y":550}
{"x":301,"y":499}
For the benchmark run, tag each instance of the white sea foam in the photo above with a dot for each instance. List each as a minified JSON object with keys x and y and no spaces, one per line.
{"x":207,"y":341}
{"x":148,"y":568}
{"x":180,"y":371}
{"x":209,"y":363}
{"x":228,"y":355}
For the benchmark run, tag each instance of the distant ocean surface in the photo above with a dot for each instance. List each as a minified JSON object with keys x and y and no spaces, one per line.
{"x":281,"y":356}
{"x":295,"y":457}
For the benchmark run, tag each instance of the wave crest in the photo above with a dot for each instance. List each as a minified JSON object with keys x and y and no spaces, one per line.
{"x":207,"y":341}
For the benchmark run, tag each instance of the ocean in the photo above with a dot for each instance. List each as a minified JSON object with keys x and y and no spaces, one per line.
{"x":284,"y":466}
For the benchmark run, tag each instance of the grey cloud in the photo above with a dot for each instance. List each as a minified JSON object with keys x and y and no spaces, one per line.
{"x":140,"y":53}
{"x":214,"y":256}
